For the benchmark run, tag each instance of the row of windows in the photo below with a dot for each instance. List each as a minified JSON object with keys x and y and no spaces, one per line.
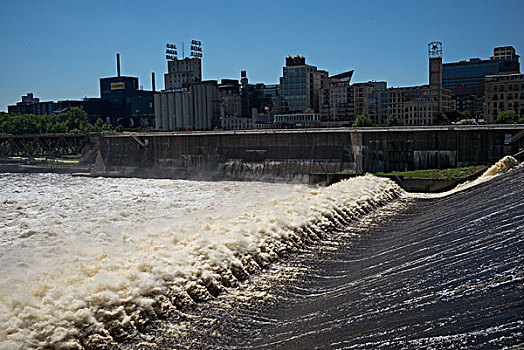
{"x":298,"y":92}
{"x":509,"y":104}
{"x":383,"y":107}
{"x":501,"y":87}
{"x":294,"y":98}
{"x":473,"y":80}
{"x":481,"y":72}
{"x":298,"y":118}
{"x":287,"y":81}
{"x":506,"y":77}
{"x":508,"y":96}
{"x":294,"y":87}
{"x":488,"y":67}
{"x":298,"y":69}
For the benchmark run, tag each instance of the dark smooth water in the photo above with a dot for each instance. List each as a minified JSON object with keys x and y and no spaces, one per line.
{"x":430,"y":273}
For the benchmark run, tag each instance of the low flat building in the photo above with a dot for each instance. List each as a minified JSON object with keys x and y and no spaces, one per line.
{"x":233,"y":122}
{"x":25,"y":106}
{"x":297,"y":120}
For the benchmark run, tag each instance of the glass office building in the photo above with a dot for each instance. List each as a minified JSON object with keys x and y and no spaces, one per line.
{"x":468,"y":77}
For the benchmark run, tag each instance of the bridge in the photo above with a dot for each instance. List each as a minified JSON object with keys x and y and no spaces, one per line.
{"x":43,"y":145}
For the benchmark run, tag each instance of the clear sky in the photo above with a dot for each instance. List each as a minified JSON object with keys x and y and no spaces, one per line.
{"x":59,"y":49}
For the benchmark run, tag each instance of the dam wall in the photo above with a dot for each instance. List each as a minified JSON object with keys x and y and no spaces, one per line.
{"x":288,"y":154}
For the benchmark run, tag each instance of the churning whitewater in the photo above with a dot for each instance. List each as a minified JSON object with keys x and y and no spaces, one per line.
{"x":88,"y":262}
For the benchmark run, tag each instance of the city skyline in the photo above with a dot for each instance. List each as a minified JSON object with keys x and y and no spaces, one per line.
{"x":60,"y":50}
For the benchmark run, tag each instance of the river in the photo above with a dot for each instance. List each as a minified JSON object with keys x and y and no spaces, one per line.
{"x":134,"y":263}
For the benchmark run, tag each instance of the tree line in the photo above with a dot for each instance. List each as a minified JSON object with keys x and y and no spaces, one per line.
{"x":504,"y":117}
{"x":72,"y":121}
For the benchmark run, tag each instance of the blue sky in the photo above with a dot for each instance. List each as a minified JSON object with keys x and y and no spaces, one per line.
{"x":59,"y":49}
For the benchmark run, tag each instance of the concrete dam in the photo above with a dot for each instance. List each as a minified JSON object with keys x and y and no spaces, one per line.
{"x":293,"y":154}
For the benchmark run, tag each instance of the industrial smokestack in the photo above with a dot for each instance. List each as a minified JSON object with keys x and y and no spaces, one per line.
{"x":118,"y":65}
{"x":153,"y":81}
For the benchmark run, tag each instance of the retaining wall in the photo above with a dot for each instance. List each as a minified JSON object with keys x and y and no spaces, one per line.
{"x":289,"y":153}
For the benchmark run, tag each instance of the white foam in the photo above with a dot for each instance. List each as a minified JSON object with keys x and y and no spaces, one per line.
{"x":90,"y":260}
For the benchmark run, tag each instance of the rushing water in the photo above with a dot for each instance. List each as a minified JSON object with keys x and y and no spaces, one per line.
{"x":104,"y":263}
{"x":420,"y":273}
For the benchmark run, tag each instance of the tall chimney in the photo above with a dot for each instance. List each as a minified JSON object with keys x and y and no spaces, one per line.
{"x":118,"y":65}
{"x":153,"y":81}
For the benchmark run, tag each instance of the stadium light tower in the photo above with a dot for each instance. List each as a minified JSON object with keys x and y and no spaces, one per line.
{"x":196,"y":48}
{"x":171,"y":52}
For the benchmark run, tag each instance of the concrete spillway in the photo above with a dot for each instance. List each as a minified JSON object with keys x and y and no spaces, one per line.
{"x":438,"y":273}
{"x":288,"y":153}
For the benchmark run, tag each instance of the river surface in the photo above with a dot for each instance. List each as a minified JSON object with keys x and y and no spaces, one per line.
{"x":132,"y":263}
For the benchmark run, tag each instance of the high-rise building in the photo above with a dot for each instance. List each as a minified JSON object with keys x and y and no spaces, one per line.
{"x":300,"y":85}
{"x":468,"y":77}
{"x":368,"y":100}
{"x":336,"y":100}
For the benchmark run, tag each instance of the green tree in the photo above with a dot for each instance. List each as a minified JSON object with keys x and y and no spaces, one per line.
{"x":393,"y":121}
{"x":107,"y":127}
{"x":99,"y":125}
{"x":362,"y":120}
{"x":72,"y":121}
{"x":76,"y":120}
{"x":506,"y":117}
